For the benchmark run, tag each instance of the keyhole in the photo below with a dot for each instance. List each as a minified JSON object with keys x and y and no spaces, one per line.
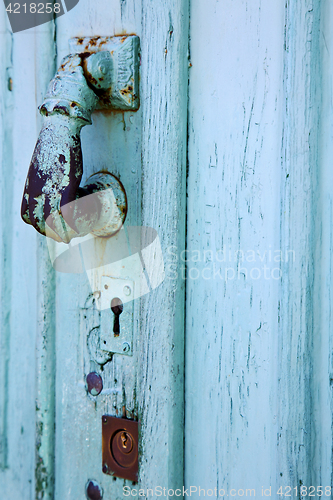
{"x":123,"y":438}
{"x":117,"y":308}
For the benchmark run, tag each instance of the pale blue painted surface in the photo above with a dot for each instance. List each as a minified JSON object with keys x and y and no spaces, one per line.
{"x":258,"y":362}
{"x":258,"y":340}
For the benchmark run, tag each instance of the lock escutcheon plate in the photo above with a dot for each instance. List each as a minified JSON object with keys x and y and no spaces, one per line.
{"x":122,"y":289}
{"x":120,"y":447}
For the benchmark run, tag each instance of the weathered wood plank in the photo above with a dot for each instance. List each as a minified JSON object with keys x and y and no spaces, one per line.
{"x":148,"y":148}
{"x":253,"y":156}
{"x":45,"y":67}
{"x":28,"y":316}
{"x":323,"y":304}
{"x":111,"y":143}
{"x":299,"y":227}
{"x":161,"y":366}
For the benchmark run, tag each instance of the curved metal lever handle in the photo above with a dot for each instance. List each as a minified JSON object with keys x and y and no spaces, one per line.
{"x":52,"y":201}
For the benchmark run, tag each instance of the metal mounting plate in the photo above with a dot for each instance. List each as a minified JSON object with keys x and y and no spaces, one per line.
{"x":124,"y":50}
{"x":124,"y":290}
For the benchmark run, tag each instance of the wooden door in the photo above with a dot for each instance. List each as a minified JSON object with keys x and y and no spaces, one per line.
{"x":258,"y":301}
{"x":249,"y":92}
{"x":50,"y":427}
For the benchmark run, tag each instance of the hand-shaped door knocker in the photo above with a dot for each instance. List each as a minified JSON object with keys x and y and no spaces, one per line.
{"x":103,"y":73}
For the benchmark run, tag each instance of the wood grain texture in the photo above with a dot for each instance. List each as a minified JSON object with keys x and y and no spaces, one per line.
{"x":45,"y":67}
{"x":161,"y":372}
{"x":322,"y":346}
{"x":28,"y":313}
{"x":252,"y":332}
{"x":299,"y":225}
{"x":258,"y":362}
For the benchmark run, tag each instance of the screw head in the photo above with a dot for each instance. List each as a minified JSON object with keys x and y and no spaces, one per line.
{"x":93,"y":490}
{"x":127,"y":290}
{"x":126,"y":347}
{"x":95,"y":383}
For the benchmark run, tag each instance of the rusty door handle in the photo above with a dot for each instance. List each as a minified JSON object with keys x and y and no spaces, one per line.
{"x":53,"y":201}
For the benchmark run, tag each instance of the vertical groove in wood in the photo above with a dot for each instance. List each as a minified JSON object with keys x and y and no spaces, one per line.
{"x":164,"y":63}
{"x":45,"y":68}
{"x":46,"y":374}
